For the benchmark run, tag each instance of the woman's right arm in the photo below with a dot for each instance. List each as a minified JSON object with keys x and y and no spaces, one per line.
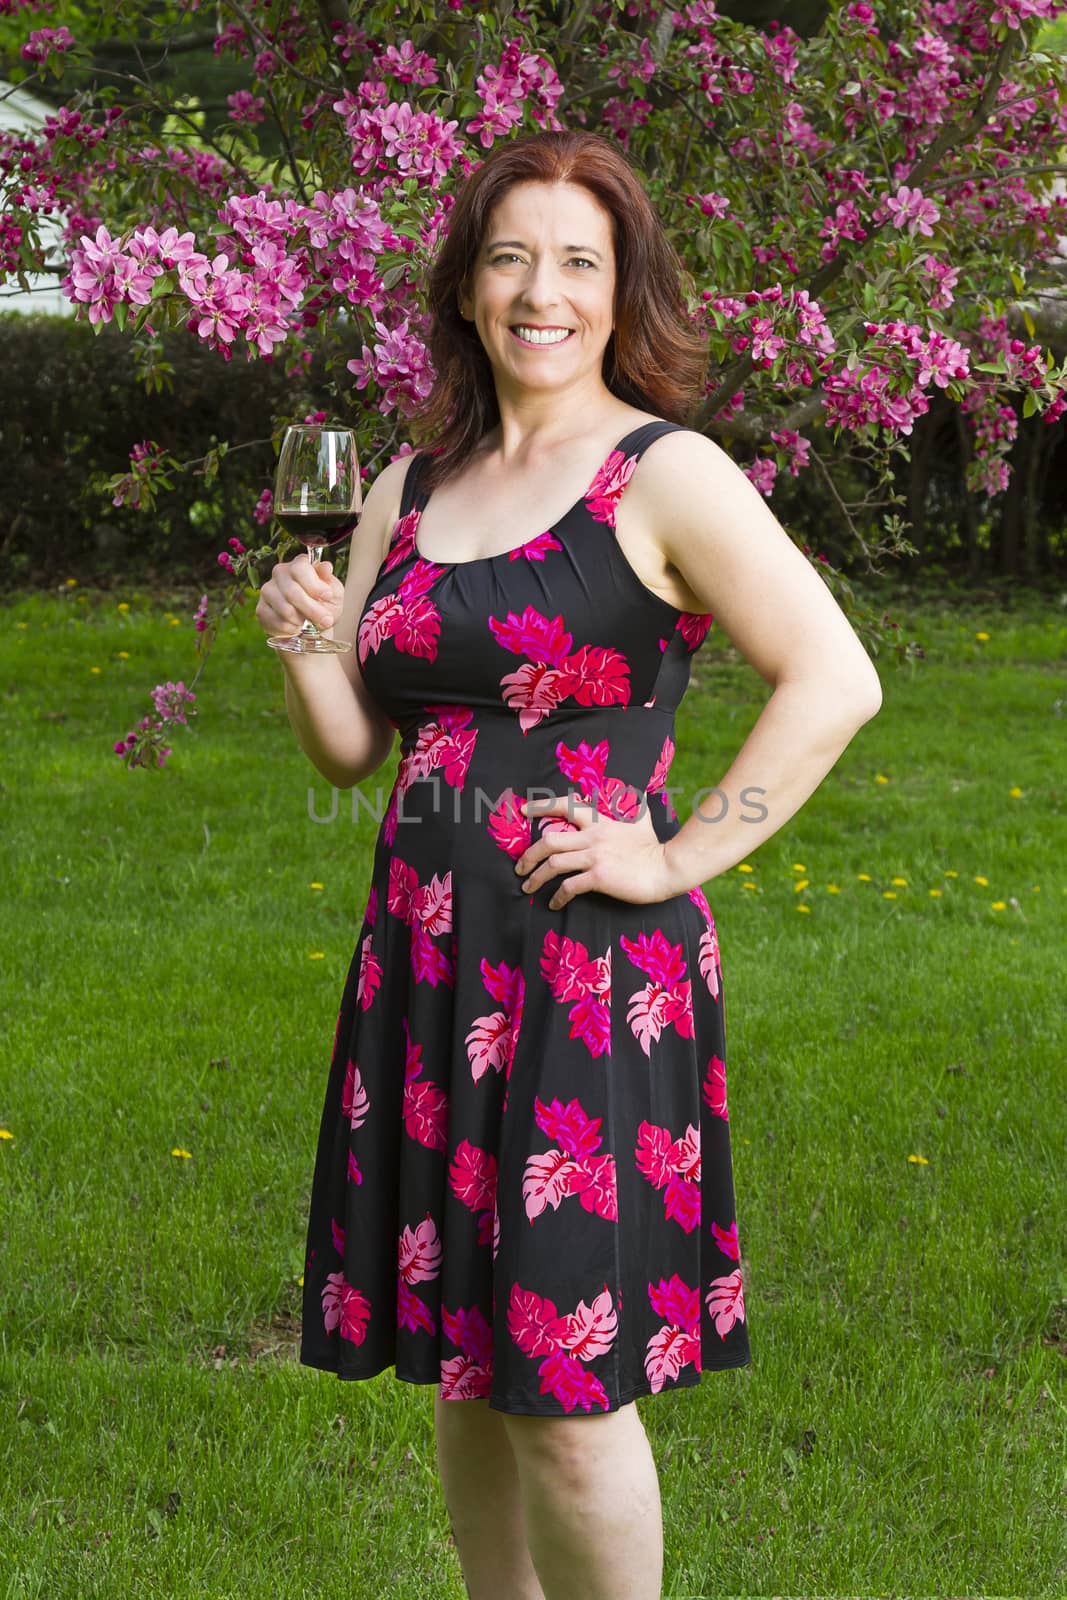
{"x":340,"y":727}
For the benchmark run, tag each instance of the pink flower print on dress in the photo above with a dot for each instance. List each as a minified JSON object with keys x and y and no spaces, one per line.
{"x":406,"y":616}
{"x":419,"y":1261}
{"x":425,"y":1105}
{"x":492,"y":1039}
{"x":715,"y":1088}
{"x":584,"y":982}
{"x":445,"y":745}
{"x":472,"y":1178}
{"x":468,"y":1376}
{"x":727,"y":1240}
{"x":667,"y":998}
{"x":420,"y":1252}
{"x":678,"y":1341}
{"x":726,"y":1301}
{"x":345,"y":1308}
{"x":573,"y":1167}
{"x":672,"y":1165}
{"x":586,"y":767}
{"x":595,"y":675}
{"x":402,"y":541}
{"x":509,"y":827}
{"x":693,"y":627}
{"x":427,"y":909}
{"x":663,"y":765}
{"x":564,"y":1342}
{"x":355,"y":1103}
{"x":708,"y":951}
{"x":537,"y":548}
{"x":606,"y":489}
{"x":370,"y":974}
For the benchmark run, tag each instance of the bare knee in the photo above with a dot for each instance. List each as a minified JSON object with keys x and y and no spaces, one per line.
{"x":569,"y":1448}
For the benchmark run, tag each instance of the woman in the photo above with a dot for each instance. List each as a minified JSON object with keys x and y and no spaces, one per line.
{"x":523,"y":1190}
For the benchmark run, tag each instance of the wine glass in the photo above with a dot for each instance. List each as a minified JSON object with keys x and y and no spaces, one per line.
{"x":318,"y":498}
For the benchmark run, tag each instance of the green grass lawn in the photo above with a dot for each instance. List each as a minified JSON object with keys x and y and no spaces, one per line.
{"x":175,"y":943}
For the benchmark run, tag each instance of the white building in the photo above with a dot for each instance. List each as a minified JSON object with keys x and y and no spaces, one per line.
{"x":21,"y":112}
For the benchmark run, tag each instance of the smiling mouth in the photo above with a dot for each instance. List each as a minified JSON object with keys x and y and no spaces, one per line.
{"x":540,"y":344}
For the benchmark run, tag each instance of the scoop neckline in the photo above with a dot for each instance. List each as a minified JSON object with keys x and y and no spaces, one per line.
{"x":504,"y":555}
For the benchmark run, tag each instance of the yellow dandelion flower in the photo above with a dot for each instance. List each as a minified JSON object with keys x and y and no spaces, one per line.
{"x":1035,"y":888}
{"x":187,"y":1153}
{"x":746,"y":1141}
{"x":950,"y":872}
{"x":880,"y":777}
{"x":175,"y":622}
{"x":5,"y":1133}
{"x":72,"y":583}
{"x":864,"y":877}
{"x":831,"y":888}
{"x":1000,"y":905}
{"x":96,"y":669}
{"x":22,"y":624}
{"x":314,"y":885}
{"x":123,"y":605}
{"x":1016,"y":793}
{"x":803,"y":908}
{"x":744,"y":867}
{"x":755,"y":887}
{"x":798,"y":866}
{"x":983,"y":881}
{"x":889,"y":894}
{"x":981,"y":636}
{"x":300,"y":1281}
{"x":317,"y":955}
{"x":124,"y":655}
{"x":919,"y":1160}
{"x":802,"y":883}
{"x":935,"y":892}
{"x":902,"y":881}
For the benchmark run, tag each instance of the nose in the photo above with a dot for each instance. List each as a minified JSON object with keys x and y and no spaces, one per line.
{"x":540,"y":289}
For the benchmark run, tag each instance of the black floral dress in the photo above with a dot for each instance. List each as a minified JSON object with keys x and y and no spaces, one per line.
{"x":523,"y":1187}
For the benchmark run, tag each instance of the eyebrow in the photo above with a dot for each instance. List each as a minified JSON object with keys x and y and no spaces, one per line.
{"x":583,"y":249}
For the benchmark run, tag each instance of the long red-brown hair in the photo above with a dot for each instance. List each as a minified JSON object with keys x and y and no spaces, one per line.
{"x":656,"y":359}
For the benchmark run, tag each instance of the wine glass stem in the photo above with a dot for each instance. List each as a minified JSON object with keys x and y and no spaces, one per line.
{"x":314,"y":554}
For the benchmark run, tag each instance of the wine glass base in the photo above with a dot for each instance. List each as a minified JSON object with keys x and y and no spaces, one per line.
{"x":309,"y":644}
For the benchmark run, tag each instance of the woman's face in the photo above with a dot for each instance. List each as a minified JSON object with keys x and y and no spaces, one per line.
{"x":547,"y":262}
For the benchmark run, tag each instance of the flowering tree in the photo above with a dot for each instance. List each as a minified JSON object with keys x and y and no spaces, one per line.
{"x":856,"y":212}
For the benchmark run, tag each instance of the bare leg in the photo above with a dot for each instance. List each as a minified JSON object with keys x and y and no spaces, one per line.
{"x":592,"y":1504}
{"x":481,"y":1488}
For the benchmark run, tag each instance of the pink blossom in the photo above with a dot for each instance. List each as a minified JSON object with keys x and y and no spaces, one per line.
{"x":43,"y":41}
{"x":399,"y":364}
{"x":246,"y":107}
{"x":200,"y":615}
{"x":407,"y":64}
{"x":911,"y":209}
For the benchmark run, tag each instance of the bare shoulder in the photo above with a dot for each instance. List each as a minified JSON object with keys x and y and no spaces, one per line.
{"x":716,"y":529}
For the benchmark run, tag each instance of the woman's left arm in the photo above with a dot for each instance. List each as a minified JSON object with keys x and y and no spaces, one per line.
{"x":735,"y":556}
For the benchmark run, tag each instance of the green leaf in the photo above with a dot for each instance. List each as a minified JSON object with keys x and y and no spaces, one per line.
{"x":1030,"y":404}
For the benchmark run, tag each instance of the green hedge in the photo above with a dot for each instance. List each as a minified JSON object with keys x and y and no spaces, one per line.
{"x":73,"y":403}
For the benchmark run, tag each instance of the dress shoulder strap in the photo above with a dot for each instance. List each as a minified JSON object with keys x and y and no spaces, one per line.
{"x":637,"y":441}
{"x":411,"y":482}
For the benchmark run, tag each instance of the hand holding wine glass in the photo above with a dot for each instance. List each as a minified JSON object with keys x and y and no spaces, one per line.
{"x":318,"y":498}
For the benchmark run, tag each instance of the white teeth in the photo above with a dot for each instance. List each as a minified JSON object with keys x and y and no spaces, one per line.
{"x":535,"y":336}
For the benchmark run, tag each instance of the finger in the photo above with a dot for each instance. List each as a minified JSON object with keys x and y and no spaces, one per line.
{"x":553,"y":866}
{"x":312,"y":579}
{"x":307,"y":601}
{"x":580,"y":883}
{"x":535,"y":853}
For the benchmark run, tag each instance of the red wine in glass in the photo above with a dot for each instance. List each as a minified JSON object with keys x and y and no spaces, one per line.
{"x":318,"y":499}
